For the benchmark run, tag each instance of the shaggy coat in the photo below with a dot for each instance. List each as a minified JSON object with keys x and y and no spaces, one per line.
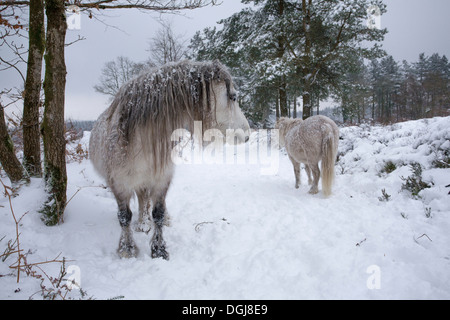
{"x":310,"y":141}
{"x":130,"y":144}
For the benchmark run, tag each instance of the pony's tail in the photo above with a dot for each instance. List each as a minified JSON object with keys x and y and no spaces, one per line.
{"x":329,"y":150}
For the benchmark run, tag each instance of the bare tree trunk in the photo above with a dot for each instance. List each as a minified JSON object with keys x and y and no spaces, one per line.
{"x":8,"y":159}
{"x":317,"y":105}
{"x":283,"y":98}
{"x":280,"y":53}
{"x":32,"y":101}
{"x":53,"y":123}
{"x":295,"y":107}
{"x":307,"y":67}
{"x":277,"y":108}
{"x":306,"y":101}
{"x":288,"y":108}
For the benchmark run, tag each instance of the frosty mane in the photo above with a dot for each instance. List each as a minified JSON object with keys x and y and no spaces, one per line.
{"x":161,"y":98}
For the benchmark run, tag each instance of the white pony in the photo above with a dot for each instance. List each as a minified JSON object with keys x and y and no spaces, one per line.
{"x":130,"y":144}
{"x":310,"y":141}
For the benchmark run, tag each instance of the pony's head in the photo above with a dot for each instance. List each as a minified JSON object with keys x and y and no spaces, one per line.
{"x":217,"y":101}
{"x":285,"y":124}
{"x":229,"y":118}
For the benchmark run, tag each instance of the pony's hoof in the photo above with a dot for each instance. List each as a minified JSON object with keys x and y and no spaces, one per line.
{"x":128,"y":251}
{"x":313,"y":191}
{"x":143,"y":227}
{"x":297,"y":186}
{"x":127,"y":246}
{"x":159,"y":251}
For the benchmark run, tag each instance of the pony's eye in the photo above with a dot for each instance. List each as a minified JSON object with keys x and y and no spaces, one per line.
{"x":233,"y":97}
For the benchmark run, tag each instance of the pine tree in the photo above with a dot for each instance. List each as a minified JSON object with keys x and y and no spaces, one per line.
{"x":333,"y":31}
{"x":291,"y":47}
{"x":436,"y":83}
{"x":354,"y":92}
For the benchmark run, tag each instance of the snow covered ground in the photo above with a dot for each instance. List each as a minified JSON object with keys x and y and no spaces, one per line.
{"x":238,"y":234}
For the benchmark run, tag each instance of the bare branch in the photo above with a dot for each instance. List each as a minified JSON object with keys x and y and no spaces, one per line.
{"x":80,"y":38}
{"x":12,"y":65}
{"x":152,"y":5}
{"x":10,"y":3}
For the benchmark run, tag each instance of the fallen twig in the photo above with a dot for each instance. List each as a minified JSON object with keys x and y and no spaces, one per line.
{"x":359,"y":243}
{"x":197,"y":225}
{"x":423,"y":236}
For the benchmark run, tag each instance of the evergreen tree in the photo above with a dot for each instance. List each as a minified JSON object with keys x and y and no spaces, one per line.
{"x":354,"y":92}
{"x":290,"y":47}
{"x":409,"y":90}
{"x":436,"y":84}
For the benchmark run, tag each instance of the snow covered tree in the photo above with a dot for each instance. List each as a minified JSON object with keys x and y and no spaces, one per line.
{"x":333,"y":31}
{"x":252,"y":44}
{"x":354,"y":92}
{"x":292,"y":46}
{"x":436,"y":84}
{"x":403,"y":91}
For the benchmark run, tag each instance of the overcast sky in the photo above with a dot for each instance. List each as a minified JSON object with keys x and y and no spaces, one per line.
{"x":414,"y":26}
{"x":126,"y":33}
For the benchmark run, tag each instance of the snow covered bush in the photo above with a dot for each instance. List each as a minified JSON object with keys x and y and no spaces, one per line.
{"x":414,"y":182}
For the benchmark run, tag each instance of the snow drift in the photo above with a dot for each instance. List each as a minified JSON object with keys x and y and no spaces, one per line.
{"x":238,"y":234}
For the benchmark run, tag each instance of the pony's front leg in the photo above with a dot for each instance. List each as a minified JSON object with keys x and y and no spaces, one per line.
{"x":158,"y":245}
{"x":127,"y":247}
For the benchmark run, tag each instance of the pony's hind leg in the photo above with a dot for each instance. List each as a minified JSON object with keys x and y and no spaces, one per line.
{"x":316,"y":176}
